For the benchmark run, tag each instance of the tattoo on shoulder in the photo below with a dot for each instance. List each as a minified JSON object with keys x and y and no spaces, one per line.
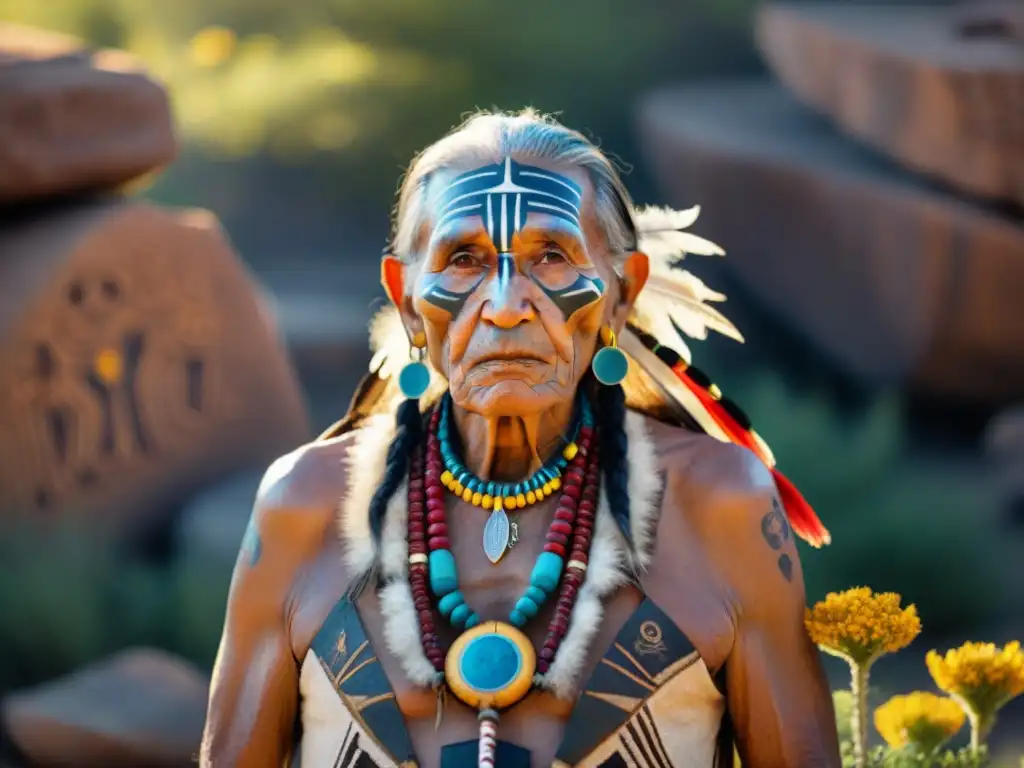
{"x":776,"y":531}
{"x":251,"y":545}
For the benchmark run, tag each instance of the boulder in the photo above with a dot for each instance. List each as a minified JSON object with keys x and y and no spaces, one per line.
{"x":937,"y":88}
{"x":139,"y":709}
{"x":895,"y":281}
{"x":73,"y":120}
{"x":139,"y":360}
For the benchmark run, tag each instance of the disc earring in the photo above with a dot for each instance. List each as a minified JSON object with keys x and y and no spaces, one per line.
{"x":414,"y":377}
{"x":610,"y":364}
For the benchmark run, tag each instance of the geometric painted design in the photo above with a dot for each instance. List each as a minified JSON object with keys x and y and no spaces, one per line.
{"x":650,"y":703}
{"x":502,"y":195}
{"x":341,"y":669}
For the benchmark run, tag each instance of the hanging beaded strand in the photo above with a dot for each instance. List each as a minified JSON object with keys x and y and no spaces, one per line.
{"x":441,"y":572}
{"x":418,"y":560}
{"x":432,"y":569}
{"x":579,"y":555}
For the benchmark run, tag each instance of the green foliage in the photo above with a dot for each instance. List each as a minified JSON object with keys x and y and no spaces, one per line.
{"x":883,"y":757}
{"x":892,"y":518}
{"x":843,"y":703}
{"x":70,"y":598}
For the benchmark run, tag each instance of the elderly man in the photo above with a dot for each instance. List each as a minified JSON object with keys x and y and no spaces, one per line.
{"x":538,"y":537}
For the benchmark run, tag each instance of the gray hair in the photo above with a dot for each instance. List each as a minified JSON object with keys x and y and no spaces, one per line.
{"x":488,"y":137}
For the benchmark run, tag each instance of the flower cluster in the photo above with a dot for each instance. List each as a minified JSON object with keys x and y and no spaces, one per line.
{"x":921,"y":720}
{"x":860,"y":625}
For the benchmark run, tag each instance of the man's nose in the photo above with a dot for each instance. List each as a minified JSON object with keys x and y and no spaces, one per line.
{"x":509,"y":304}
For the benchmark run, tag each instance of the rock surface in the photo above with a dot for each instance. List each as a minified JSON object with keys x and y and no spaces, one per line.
{"x":910,"y":82}
{"x":139,"y":361}
{"x":895,"y":281}
{"x":73,"y":120}
{"x":139,"y":709}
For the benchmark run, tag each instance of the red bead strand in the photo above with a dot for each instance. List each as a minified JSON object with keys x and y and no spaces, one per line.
{"x":572,"y":577}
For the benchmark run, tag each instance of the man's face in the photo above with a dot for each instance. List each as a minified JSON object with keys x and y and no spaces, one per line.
{"x":509,"y":290}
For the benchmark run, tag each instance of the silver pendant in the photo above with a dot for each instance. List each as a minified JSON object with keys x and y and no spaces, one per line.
{"x":497,"y":532}
{"x":513,"y":536}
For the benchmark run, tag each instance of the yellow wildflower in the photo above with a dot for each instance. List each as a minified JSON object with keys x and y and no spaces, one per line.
{"x":860,"y":625}
{"x":921,"y":720}
{"x":980,"y":675}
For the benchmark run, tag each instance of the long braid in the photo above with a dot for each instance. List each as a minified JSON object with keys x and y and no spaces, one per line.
{"x":611,"y":419}
{"x":408,"y":435}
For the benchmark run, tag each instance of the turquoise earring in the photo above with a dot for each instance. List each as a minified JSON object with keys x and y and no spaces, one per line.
{"x":414,"y":377}
{"x":610,"y":365}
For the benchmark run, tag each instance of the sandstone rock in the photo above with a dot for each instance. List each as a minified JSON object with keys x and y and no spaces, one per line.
{"x":895,"y":281}
{"x":138,"y":362}
{"x":74,"y":120}
{"x":910,"y":82}
{"x":139,"y":709}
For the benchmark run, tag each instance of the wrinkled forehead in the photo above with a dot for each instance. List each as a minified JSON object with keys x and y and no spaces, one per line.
{"x":509,"y":196}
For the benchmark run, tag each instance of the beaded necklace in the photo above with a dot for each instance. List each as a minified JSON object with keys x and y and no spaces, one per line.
{"x":501,"y":532}
{"x":491,"y":665}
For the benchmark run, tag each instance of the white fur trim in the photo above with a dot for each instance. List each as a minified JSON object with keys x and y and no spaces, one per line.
{"x":644,"y":489}
{"x":366,"y":463}
{"x":402,"y":632}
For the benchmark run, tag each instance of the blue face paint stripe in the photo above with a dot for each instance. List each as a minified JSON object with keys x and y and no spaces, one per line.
{"x":504,"y":224}
{"x":556,"y":180}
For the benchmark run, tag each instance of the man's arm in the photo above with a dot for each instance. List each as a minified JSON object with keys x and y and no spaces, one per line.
{"x":778,"y":697}
{"x":254,"y":694}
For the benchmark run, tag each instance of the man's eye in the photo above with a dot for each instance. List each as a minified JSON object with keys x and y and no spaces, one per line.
{"x":463,"y":259}
{"x":552,"y":257}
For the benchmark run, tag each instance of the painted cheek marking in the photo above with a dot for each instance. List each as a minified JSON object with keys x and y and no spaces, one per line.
{"x":451,"y":302}
{"x":583,"y":292}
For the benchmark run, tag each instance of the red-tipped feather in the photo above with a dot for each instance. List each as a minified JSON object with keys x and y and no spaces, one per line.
{"x":802,"y":518}
{"x":805,"y":523}
{"x":728,"y":424}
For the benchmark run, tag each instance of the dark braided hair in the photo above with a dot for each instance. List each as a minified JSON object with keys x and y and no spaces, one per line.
{"x":408,"y":435}
{"x":611,"y":423}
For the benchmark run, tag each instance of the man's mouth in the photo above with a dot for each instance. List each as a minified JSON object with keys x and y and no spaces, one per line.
{"x":525,"y":356}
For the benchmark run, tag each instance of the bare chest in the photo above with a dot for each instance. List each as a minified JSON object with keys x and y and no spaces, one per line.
{"x":538,"y":723}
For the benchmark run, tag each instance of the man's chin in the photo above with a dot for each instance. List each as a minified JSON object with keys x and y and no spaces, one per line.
{"x":508,"y":397}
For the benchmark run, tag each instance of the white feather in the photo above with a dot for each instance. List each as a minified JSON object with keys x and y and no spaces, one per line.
{"x":656,"y":218}
{"x":673,"y":295}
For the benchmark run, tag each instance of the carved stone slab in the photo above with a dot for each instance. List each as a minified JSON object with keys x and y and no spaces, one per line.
{"x":74,"y":120}
{"x":939,"y":89}
{"x":893,"y":280}
{"x":138,"y":362}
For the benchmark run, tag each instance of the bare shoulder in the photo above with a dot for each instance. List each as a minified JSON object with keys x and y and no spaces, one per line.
{"x":716,"y":484}
{"x":299,"y":495}
{"x":721,"y":501}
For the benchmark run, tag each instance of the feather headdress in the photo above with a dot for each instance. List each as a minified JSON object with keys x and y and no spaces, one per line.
{"x":674,"y":305}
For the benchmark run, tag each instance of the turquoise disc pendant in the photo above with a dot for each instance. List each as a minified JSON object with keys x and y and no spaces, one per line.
{"x":491,"y":666}
{"x":610,"y":365}
{"x":413,"y":380}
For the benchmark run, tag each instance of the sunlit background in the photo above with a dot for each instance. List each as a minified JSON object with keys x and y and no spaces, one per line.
{"x":295,"y":121}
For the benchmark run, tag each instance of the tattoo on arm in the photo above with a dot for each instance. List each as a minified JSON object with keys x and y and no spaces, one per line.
{"x":251,"y":545}
{"x":776,"y":531}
